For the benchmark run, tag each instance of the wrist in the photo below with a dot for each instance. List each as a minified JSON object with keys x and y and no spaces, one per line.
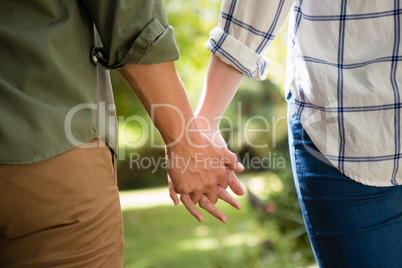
{"x":173,"y":121}
{"x":207,"y":123}
{"x":190,"y":136}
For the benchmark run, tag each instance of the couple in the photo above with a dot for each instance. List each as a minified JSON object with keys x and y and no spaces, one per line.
{"x":59,"y":201}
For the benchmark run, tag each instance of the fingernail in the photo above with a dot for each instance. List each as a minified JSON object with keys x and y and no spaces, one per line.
{"x":200,"y":219}
{"x":240,"y":165}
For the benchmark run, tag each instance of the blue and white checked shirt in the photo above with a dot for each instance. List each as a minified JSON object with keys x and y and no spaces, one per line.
{"x":344,"y":71}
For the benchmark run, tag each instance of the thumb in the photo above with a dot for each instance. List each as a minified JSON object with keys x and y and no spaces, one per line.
{"x":232,"y":161}
{"x":234,"y":183}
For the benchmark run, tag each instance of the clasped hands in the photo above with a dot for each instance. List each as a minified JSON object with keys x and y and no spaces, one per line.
{"x":200,"y":168}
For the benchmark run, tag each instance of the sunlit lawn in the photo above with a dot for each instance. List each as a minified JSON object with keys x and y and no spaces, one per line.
{"x":168,"y":236}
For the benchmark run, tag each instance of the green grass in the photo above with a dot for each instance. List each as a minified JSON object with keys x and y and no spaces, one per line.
{"x":168,"y":236}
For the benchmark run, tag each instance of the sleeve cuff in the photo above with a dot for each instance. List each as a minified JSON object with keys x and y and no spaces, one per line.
{"x":237,"y":54}
{"x":155,"y":44}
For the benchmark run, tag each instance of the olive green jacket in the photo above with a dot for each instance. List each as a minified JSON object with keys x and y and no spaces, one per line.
{"x":55,"y":90}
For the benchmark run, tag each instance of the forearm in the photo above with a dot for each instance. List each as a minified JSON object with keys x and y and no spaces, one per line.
{"x":220,"y":86}
{"x":162,"y":94}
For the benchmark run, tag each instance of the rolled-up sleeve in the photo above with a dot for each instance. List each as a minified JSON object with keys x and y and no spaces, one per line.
{"x":132,"y":32}
{"x":246,"y":29}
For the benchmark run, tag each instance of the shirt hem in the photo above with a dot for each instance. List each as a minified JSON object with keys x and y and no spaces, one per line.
{"x":50,"y":155}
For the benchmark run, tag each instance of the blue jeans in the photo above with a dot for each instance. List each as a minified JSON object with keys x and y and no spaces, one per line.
{"x":349,"y":224}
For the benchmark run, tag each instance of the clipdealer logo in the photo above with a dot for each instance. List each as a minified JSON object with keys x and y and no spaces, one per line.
{"x":237,"y":137}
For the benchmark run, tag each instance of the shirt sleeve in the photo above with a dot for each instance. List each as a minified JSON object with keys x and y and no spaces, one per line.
{"x":246,"y":29}
{"x":134,"y":32}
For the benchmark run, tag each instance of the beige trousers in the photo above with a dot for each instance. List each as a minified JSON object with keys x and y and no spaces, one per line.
{"x":62,"y":212}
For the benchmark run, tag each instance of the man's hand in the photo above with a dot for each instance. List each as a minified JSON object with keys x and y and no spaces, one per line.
{"x":196,"y":167}
{"x":206,"y":201}
{"x":206,"y":204}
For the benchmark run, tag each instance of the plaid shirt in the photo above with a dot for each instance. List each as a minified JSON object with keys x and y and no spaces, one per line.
{"x":344,"y":71}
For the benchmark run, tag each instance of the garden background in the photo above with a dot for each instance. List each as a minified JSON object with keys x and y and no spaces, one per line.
{"x":269,"y":230}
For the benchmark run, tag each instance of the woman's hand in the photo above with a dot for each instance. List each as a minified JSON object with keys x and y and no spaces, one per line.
{"x":217,"y":175}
